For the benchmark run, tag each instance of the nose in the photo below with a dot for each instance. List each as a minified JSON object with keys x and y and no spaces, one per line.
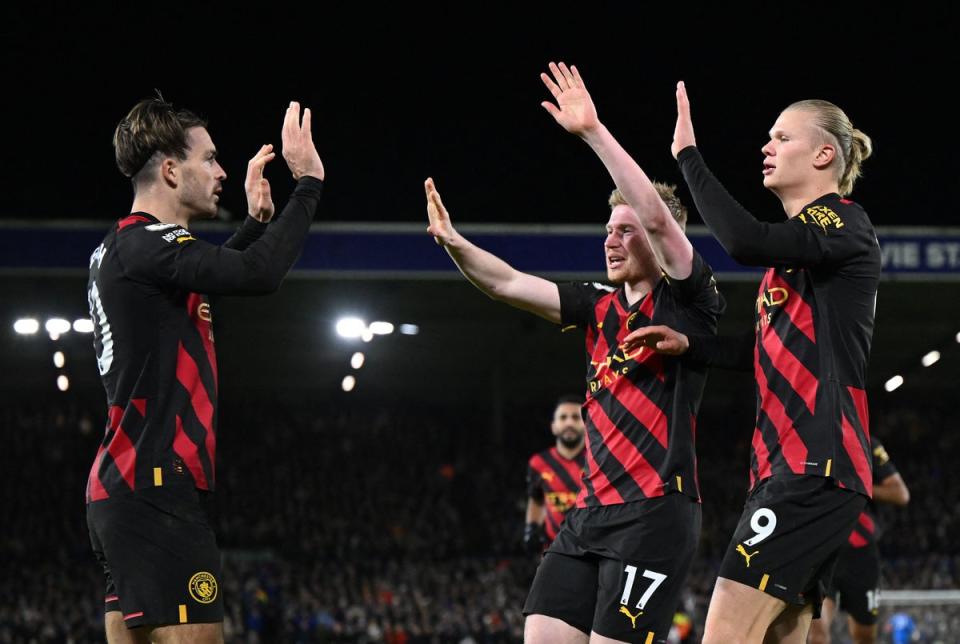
{"x":767,"y":149}
{"x":221,"y":175}
{"x":611,"y":241}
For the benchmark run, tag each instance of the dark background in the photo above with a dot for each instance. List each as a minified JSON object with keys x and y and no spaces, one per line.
{"x":399,"y":95}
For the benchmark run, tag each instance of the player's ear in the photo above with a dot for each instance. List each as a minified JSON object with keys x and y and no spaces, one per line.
{"x":170,"y":171}
{"x":825,"y":154}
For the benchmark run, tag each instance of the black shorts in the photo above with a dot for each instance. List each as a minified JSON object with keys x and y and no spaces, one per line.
{"x":159,"y":555}
{"x":619,"y":570}
{"x":856,"y":582}
{"x":789,"y":535}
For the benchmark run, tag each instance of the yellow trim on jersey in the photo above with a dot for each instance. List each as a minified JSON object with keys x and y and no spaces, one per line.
{"x":829,"y":464}
{"x":183,"y":613}
{"x":157,"y":477}
{"x":763,"y":582}
{"x":679,"y":484}
{"x":649,"y":639}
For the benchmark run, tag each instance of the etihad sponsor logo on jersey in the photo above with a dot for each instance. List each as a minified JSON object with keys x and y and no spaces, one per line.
{"x":821,"y":216}
{"x":179,"y":235}
{"x":770,"y":298}
{"x":560,"y":501}
{"x":612,"y":368}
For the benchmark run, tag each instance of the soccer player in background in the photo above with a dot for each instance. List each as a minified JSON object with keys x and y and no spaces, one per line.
{"x":553,"y":476}
{"x":148,"y":287}
{"x":616,"y":570}
{"x":810,"y":469}
{"x":856,"y":579}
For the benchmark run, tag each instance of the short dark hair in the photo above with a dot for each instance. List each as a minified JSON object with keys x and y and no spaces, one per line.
{"x":569,"y":399}
{"x":152,"y":126}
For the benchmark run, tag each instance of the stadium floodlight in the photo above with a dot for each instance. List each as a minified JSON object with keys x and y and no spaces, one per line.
{"x":930,"y":359}
{"x":349,"y":382}
{"x":413,"y":329}
{"x":356,"y":360}
{"x":63,"y":383}
{"x":958,"y":337}
{"x":59,"y":360}
{"x":26,"y":326}
{"x":381,"y":328}
{"x":351,"y":327}
{"x":367,"y":335}
{"x":893,"y":383}
{"x":56,"y":327}
{"x":83,"y":325}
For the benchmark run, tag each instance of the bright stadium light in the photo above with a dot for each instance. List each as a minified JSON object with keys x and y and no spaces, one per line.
{"x":59,"y":360}
{"x":381,"y":328}
{"x":930,"y":359}
{"x":356,"y":360}
{"x":63,"y":383}
{"x":413,"y":329}
{"x":56,"y":327}
{"x":351,"y":327}
{"x":367,"y":335}
{"x":958,"y":337}
{"x":349,"y":382}
{"x":83,"y":325}
{"x":893,"y":383}
{"x":26,"y":326}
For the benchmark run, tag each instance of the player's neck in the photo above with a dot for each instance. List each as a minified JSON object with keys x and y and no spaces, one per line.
{"x":794,"y":200}
{"x":569,"y":453}
{"x":634,"y":291}
{"x":166,"y":210}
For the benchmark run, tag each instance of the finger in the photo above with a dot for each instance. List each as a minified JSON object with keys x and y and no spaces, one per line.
{"x":307,"y":127}
{"x":683,"y":101}
{"x":291,"y":121}
{"x":577,"y":78}
{"x":558,"y":76}
{"x":553,"y":87}
{"x":551,"y":108}
{"x":428,"y":186}
{"x":567,"y":76}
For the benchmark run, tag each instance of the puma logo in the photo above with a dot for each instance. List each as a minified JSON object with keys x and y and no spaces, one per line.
{"x":746,"y":556}
{"x":633,"y":618}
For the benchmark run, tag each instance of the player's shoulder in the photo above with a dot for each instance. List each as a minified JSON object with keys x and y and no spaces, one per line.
{"x":139,"y":229}
{"x":833,"y":213}
{"x":538,"y":458}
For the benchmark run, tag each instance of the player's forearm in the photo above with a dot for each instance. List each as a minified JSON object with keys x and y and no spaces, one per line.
{"x":743,"y":237}
{"x":261,"y":267}
{"x":726,"y":352}
{"x":891,"y":490}
{"x":500,"y":281}
{"x":248,"y":232}
{"x":535,"y":512}
{"x":670,"y":245}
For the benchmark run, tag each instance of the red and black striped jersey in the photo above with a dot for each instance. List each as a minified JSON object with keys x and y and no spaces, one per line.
{"x":554,"y":481}
{"x":867,"y":529}
{"x":814,"y":325}
{"x":154,"y":341}
{"x":640,"y":409}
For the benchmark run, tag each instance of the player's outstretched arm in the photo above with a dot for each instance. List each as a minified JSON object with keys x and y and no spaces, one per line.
{"x":574,"y":111}
{"x":488,"y":272}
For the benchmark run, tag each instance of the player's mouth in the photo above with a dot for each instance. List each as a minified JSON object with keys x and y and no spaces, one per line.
{"x":615,"y":261}
{"x":768,"y":168}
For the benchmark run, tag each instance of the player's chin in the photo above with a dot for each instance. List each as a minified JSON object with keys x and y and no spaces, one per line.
{"x":615,"y":275}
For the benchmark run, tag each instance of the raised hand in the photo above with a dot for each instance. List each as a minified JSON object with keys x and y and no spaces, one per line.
{"x":298,"y":149}
{"x":683,"y":133}
{"x":440,"y":226}
{"x":259,"y":200}
{"x":574,"y":110}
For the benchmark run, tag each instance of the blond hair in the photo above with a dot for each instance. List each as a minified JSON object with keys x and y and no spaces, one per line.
{"x":853,"y":146}
{"x":667,"y":193}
